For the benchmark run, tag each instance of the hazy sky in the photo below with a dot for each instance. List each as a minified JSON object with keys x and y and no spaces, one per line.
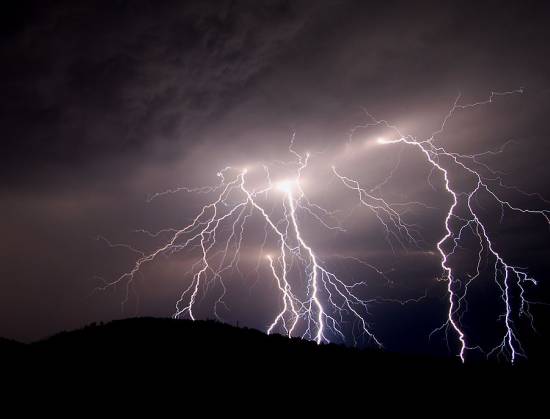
{"x":105,"y":103}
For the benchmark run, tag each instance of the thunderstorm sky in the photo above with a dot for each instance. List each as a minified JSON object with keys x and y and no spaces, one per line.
{"x":106,"y":103}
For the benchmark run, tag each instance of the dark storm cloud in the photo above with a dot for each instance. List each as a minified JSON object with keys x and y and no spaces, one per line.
{"x":89,"y":81}
{"x":104,"y":81}
{"x":104,"y":103}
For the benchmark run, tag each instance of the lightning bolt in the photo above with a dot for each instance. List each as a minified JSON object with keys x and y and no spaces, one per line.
{"x":315,"y":303}
{"x":486,"y":181}
{"x":315,"y":309}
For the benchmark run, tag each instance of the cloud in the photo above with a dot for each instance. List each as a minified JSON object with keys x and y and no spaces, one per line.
{"x":100,"y":81}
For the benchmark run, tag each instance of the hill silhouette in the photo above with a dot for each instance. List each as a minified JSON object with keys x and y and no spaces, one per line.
{"x":175,"y":352}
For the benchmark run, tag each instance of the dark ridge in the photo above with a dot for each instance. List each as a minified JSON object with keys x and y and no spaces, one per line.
{"x":169,"y":351}
{"x":9,"y":345}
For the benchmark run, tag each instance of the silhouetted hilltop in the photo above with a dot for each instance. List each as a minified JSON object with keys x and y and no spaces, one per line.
{"x":146,"y":337}
{"x":201,"y":351}
{"x":10,"y":346}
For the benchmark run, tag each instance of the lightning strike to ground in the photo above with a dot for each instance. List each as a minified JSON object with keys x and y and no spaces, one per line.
{"x":316,"y":303}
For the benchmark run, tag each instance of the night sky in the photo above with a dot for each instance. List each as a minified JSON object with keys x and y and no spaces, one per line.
{"x":106,"y":103}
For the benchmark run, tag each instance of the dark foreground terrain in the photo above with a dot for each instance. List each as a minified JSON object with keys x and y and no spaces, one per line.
{"x":134,"y":354}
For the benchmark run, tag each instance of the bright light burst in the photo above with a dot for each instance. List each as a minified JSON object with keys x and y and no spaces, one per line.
{"x":316,"y":303}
